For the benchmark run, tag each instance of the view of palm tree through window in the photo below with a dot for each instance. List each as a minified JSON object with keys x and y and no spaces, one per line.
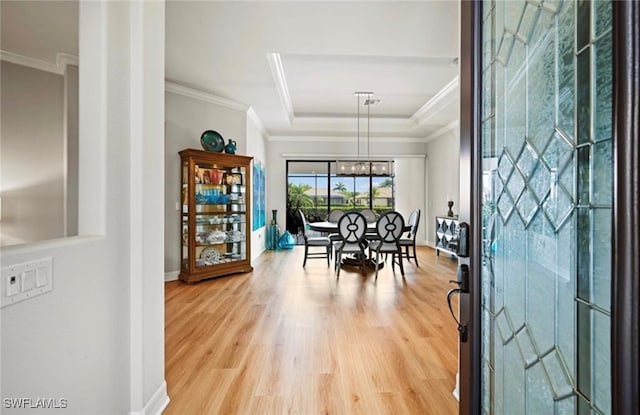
{"x":314,"y":187}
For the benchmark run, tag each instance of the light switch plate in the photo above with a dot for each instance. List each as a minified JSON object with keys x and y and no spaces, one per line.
{"x":13,"y":284}
{"x":42,"y":276}
{"x":28,"y":280}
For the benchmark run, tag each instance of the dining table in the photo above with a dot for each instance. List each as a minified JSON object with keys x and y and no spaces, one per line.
{"x":332,"y":227}
{"x":327,"y":227}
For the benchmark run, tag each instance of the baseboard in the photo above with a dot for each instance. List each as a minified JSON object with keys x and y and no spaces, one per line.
{"x":258,"y":253}
{"x":171,"y":276}
{"x":456,"y":390}
{"x":156,"y":404}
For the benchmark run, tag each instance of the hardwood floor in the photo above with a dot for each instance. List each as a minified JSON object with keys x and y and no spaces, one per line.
{"x":284,"y":339}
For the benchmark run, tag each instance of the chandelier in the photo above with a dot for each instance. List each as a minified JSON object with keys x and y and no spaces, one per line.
{"x":366,"y":167}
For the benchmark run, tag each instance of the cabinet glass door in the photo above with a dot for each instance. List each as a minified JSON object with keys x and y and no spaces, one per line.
{"x":220,"y":214}
{"x":184,"y":223}
{"x":547,"y":199}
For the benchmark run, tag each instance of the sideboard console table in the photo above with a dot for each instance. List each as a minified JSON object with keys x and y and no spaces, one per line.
{"x":447,"y":231}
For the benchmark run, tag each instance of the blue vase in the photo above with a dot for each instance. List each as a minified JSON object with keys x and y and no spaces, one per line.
{"x":273,"y":232}
{"x":287,"y":241}
{"x":230,"y":148}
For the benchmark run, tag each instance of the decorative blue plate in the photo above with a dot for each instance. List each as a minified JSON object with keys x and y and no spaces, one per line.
{"x":212,"y":141}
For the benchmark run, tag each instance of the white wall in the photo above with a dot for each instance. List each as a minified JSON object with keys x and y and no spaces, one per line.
{"x":443,"y":172}
{"x":409,"y":155}
{"x":32,"y":162}
{"x":97,"y":340}
{"x":256,"y":147}
{"x":186,"y":118}
{"x":410,"y":191}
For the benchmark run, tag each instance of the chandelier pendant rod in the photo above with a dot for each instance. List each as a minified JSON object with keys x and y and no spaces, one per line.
{"x":368,"y":129}
{"x":358,"y":109}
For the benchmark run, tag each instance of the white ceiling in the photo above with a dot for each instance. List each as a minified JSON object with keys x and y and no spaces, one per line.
{"x":39,"y":29}
{"x":297,"y":64}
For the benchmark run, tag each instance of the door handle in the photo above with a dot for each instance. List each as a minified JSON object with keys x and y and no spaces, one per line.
{"x":463,"y":243}
{"x":463,"y":287}
{"x":463,"y":278}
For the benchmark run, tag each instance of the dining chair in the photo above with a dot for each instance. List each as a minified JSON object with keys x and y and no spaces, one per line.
{"x":409,"y":240}
{"x":369,"y":215}
{"x":314,"y":241}
{"x":389,"y":228}
{"x":351,"y":227}
{"x":334,"y":217}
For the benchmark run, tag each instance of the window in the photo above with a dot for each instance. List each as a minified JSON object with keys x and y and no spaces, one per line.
{"x":314,"y":187}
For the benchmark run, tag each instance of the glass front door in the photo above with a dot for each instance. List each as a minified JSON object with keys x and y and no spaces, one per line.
{"x":547,"y":206}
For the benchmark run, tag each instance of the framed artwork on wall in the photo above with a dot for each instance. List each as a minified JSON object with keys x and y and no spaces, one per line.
{"x":259,"y":210}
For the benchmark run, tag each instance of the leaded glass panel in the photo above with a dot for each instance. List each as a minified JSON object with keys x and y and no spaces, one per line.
{"x":601,"y":274}
{"x":602,"y":173}
{"x":541,"y":85}
{"x":602,"y":103}
{"x":566,"y":406}
{"x":565,"y":64}
{"x":601,"y":362}
{"x":583,"y":96}
{"x":539,"y":395}
{"x":547,"y":125}
{"x":514,"y":387}
{"x":541,"y":282}
{"x":602,"y":17}
{"x":583,"y":28}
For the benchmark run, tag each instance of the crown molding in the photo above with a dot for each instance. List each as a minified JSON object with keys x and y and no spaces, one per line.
{"x":341,"y":139}
{"x":204,"y":96}
{"x":444,"y":97}
{"x":277,"y":71}
{"x":59,"y":67}
{"x":65,"y":59}
{"x":214,"y":99}
{"x":308,"y":121}
{"x":443,"y":130}
{"x":313,"y":122}
{"x":349,"y":156}
{"x":251,"y":114}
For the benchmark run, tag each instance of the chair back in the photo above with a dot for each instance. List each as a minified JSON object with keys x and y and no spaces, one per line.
{"x":390,"y":227}
{"x":369,"y":215}
{"x":304,"y":223}
{"x":414,"y":220}
{"x":352,"y":226}
{"x":335,"y":215}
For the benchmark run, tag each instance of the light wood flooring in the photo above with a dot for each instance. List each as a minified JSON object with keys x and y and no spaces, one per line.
{"x":284,"y":339}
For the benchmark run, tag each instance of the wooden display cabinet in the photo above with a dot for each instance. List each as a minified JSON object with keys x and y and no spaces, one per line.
{"x":215,"y":215}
